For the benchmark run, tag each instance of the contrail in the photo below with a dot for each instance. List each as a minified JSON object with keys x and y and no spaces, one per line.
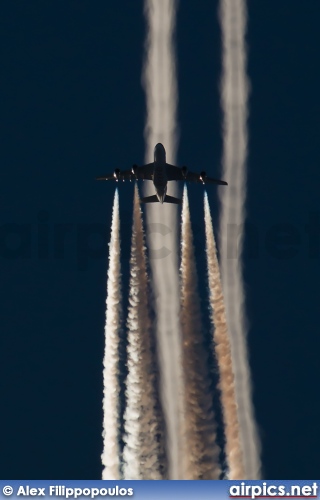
{"x":111,"y":424}
{"x":234,"y":97}
{"x":143,"y":453}
{"x":233,"y":449}
{"x":159,"y":80}
{"x":202,"y":453}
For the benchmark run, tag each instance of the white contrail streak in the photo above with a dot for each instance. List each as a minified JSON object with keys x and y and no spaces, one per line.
{"x":110,"y":455}
{"x":234,"y":97}
{"x":223,"y":354}
{"x":201,"y":457}
{"x":159,"y":79}
{"x":143,"y":453}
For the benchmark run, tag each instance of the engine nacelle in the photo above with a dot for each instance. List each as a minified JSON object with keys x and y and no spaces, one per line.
{"x":116,"y":174}
{"x":184,"y":171}
{"x":134,"y":170}
{"x":203,"y":177}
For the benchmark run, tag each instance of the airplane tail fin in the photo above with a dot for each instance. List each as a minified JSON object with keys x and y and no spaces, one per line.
{"x":171,"y":199}
{"x":150,"y":199}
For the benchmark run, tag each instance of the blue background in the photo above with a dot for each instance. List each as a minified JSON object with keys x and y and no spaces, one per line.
{"x":73,"y":108}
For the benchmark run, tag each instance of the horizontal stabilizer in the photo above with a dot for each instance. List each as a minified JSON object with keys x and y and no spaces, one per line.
{"x":171,"y":199}
{"x":150,"y":199}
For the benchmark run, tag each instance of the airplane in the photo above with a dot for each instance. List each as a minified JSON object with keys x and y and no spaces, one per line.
{"x":160,"y":172}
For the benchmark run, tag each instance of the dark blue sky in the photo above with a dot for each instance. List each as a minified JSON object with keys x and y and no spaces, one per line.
{"x":72,"y":108}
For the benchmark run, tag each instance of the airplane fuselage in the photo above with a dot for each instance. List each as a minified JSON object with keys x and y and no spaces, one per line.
{"x":160,"y":180}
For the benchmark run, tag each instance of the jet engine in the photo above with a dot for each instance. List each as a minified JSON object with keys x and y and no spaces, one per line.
{"x":184,"y":172}
{"x":203,"y":177}
{"x":117,"y":174}
{"x":134,"y":171}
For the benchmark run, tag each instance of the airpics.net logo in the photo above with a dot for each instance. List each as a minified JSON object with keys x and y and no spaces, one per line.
{"x":45,"y":239}
{"x":266,"y":490}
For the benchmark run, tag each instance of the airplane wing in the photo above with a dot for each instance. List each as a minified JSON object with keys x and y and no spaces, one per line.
{"x":209,"y":180}
{"x":145,"y":172}
{"x":137,"y":172}
{"x":109,"y":177}
{"x":203,"y":179}
{"x":182,"y":173}
{"x":174,"y":173}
